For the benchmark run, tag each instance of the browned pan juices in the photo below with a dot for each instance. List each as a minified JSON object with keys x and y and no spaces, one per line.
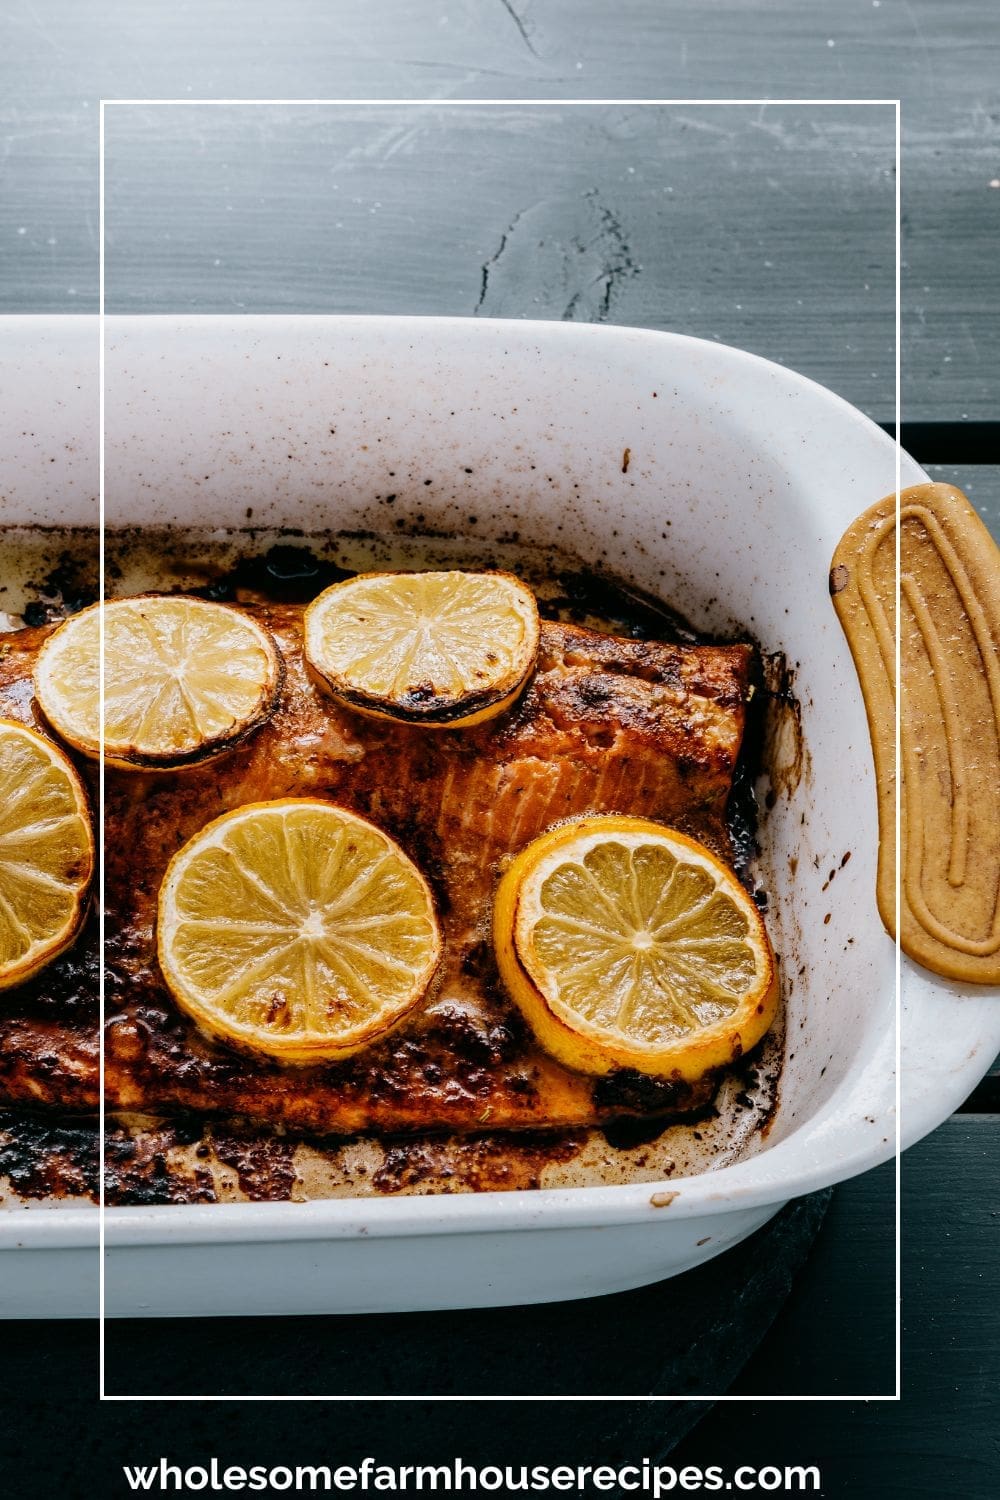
{"x":192,"y":1157}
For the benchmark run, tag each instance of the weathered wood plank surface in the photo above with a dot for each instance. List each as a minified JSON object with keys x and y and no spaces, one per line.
{"x":809,"y":196}
{"x":980,"y":482}
{"x":779,"y":238}
{"x":944,"y":1436}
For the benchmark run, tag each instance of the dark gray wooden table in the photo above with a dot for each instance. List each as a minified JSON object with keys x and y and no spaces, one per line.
{"x":768,"y":226}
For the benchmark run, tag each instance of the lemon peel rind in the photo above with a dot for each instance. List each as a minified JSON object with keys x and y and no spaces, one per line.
{"x":41,"y":954}
{"x":594,"y":1051}
{"x":302,"y":1049}
{"x":464,"y":715}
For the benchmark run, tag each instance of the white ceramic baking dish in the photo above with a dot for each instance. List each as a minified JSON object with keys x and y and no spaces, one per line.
{"x":741,"y":478}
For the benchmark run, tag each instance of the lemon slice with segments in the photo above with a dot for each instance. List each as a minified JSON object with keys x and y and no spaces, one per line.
{"x":183,"y":679}
{"x":446,"y":650}
{"x":46,"y":852}
{"x":297,"y":929}
{"x":628,"y":945}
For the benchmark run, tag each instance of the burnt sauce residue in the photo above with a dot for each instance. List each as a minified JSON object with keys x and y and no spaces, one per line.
{"x":42,"y":1157}
{"x":188,"y":1160}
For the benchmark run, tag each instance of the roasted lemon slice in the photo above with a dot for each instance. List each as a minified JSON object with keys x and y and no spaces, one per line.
{"x":628,"y":945}
{"x":445,"y":650}
{"x":46,"y":852}
{"x":183,"y":679}
{"x":297,"y":929}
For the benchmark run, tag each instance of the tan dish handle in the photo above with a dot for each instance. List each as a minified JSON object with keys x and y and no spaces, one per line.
{"x":949,"y":582}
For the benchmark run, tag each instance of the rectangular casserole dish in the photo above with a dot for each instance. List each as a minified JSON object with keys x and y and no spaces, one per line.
{"x":740,"y":479}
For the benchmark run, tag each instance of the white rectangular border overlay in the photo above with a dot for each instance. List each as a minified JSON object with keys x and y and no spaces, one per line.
{"x":458,"y":103}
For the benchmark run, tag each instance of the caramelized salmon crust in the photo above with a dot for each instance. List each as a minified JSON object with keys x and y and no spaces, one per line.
{"x":605,"y":725}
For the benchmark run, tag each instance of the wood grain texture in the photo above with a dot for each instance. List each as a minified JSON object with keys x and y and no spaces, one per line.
{"x":780,"y":240}
{"x":768,"y":238}
{"x":944,"y":1436}
{"x":980,"y":483}
{"x":828,"y":1338}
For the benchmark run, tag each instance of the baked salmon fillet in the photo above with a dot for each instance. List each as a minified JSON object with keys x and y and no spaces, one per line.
{"x":605,"y":725}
